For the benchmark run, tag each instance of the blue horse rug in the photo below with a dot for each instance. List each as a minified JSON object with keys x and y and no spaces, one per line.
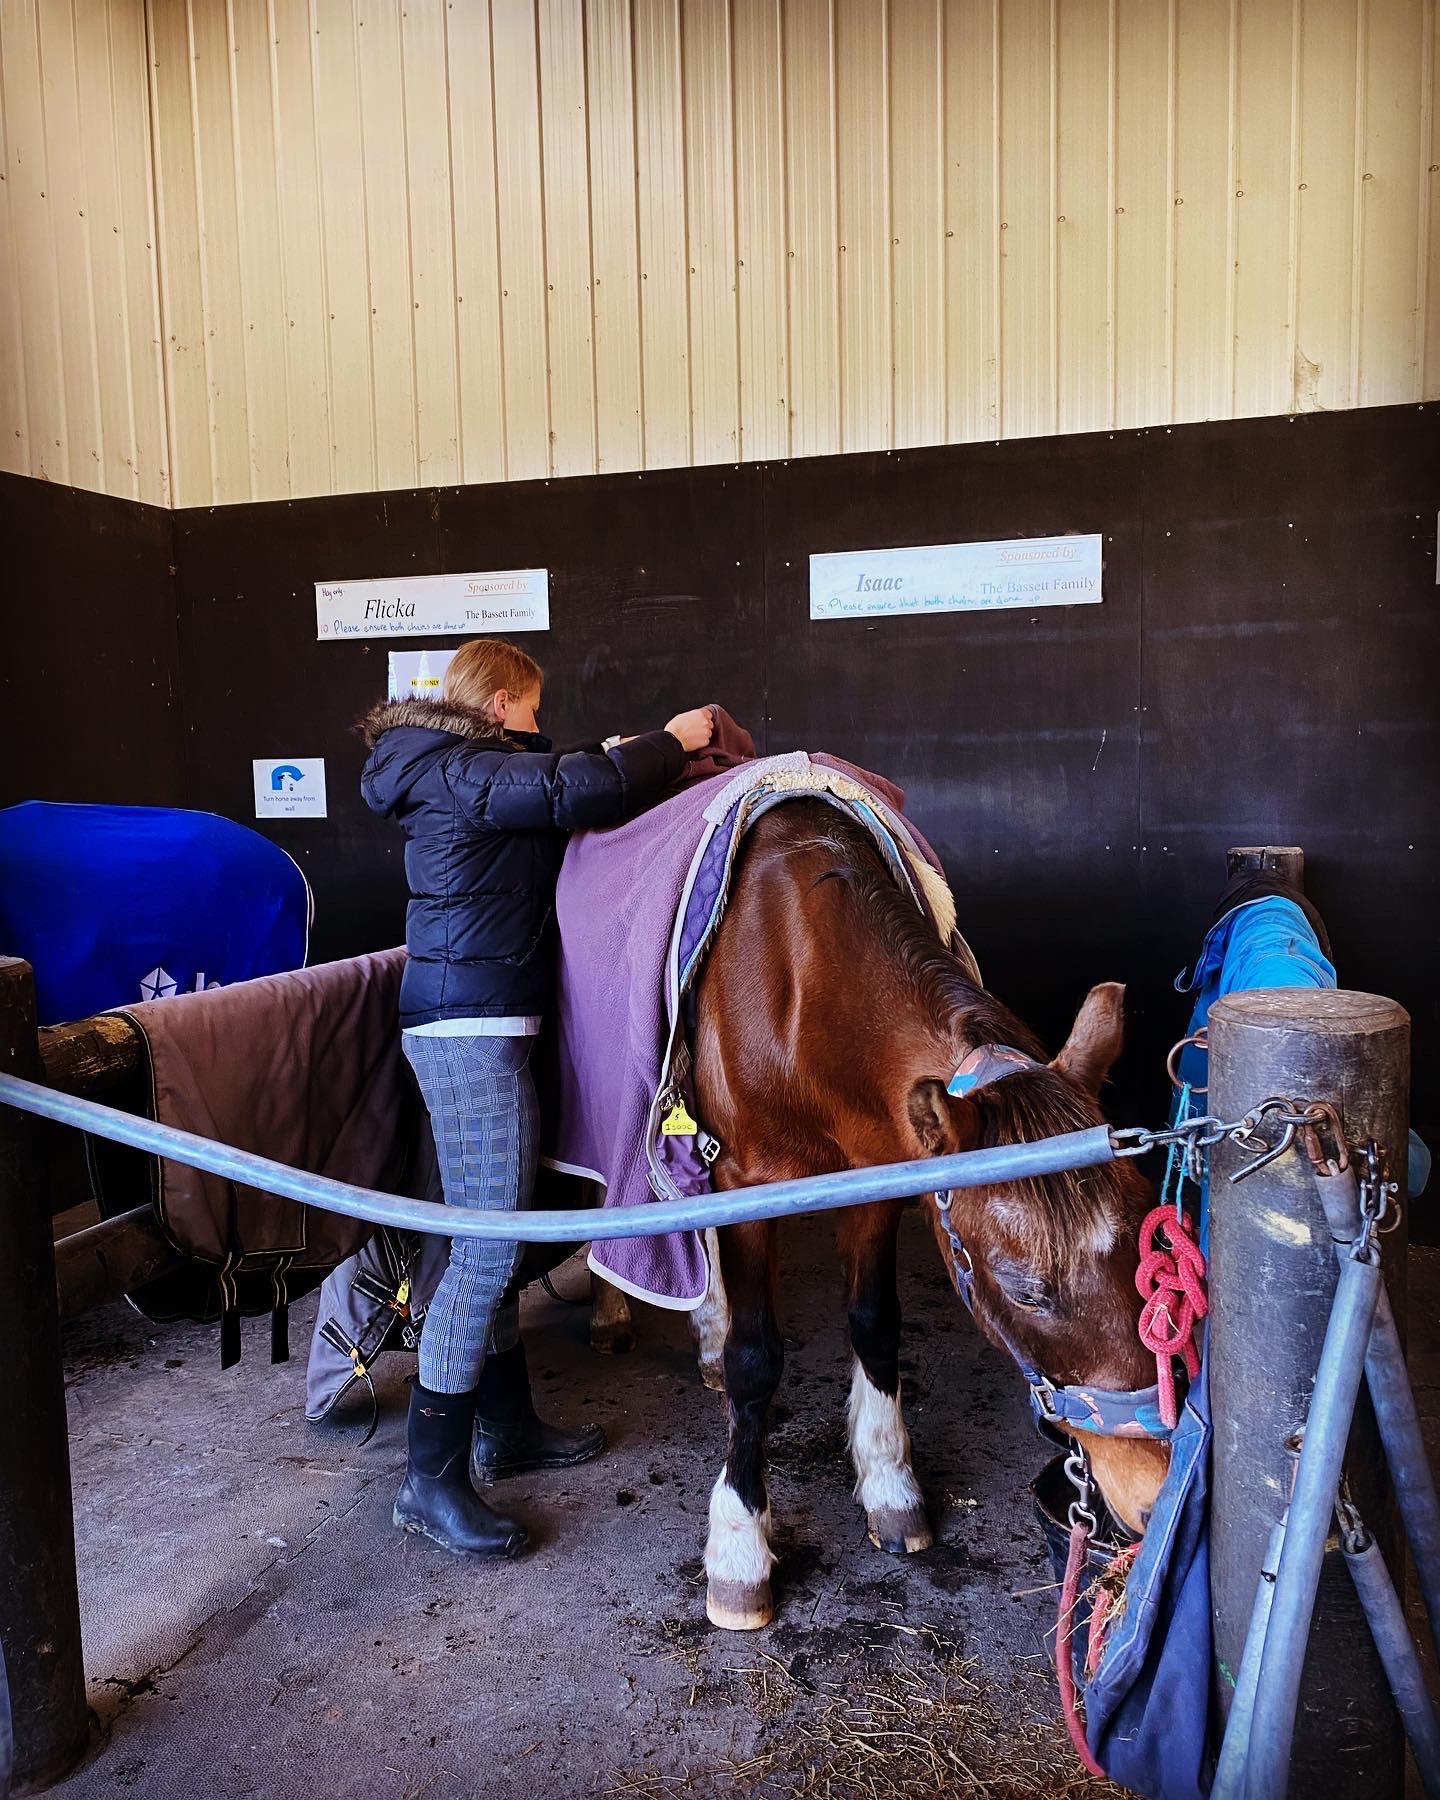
{"x":115,"y":904}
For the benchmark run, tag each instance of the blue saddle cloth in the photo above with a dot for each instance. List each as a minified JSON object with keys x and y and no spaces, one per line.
{"x":1147,"y":1707}
{"x":115,"y":904}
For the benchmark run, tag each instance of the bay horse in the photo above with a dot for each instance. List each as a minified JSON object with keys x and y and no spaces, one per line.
{"x":829,"y":1022}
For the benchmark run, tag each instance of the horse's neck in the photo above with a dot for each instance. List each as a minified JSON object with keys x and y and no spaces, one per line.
{"x":902,"y":1010}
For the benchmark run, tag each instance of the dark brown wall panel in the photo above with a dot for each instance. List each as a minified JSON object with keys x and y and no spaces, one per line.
{"x":1291,"y":647}
{"x":88,"y":667}
{"x":656,"y":590}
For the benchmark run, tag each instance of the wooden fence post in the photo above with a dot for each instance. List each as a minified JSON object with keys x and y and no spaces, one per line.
{"x":1272,"y":1282}
{"x":39,"y":1603}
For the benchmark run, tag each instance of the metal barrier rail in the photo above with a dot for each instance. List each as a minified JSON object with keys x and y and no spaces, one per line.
{"x":770,"y":1200}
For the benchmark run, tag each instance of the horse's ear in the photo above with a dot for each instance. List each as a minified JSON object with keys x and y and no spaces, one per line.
{"x":942,"y":1123}
{"x":1096,"y":1037}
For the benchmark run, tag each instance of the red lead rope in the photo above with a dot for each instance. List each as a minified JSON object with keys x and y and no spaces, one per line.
{"x":1171,"y":1280}
{"x":1064,"y":1645}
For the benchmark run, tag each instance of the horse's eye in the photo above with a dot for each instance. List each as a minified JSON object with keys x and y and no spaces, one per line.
{"x":1021,"y":1289}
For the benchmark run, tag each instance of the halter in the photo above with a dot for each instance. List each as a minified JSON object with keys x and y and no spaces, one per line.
{"x":1133,"y":1412}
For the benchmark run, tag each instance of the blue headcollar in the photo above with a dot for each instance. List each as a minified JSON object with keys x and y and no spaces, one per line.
{"x":1133,"y":1413}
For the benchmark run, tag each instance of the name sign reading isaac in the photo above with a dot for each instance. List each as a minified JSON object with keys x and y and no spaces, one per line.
{"x":939,"y":578}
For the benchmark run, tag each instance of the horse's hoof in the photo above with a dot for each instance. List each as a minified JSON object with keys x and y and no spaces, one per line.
{"x":901,"y":1533}
{"x":612,"y":1340}
{"x":713,"y":1375}
{"x":737,"y":1606}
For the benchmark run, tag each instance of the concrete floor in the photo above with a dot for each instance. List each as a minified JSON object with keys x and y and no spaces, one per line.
{"x":254,"y":1626}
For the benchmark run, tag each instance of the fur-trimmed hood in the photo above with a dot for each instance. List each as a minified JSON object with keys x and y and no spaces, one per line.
{"x":408,"y":739}
{"x":430,"y":715}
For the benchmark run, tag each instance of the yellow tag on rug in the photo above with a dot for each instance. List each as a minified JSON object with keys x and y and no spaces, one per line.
{"x":678,"y":1122}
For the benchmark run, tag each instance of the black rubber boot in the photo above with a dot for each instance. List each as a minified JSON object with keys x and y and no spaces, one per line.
{"x":510,"y":1437}
{"x":436,"y":1497}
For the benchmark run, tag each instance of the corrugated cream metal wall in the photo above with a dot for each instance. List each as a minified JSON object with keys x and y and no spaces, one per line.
{"x":81,"y":377}
{"x":412,"y":241}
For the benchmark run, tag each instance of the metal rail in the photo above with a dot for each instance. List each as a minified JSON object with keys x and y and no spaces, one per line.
{"x":769,"y":1200}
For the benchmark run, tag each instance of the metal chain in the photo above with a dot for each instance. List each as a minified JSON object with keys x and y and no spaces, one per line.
{"x":1203,"y":1130}
{"x":1202,"y":1133}
{"x":1190,"y":1138}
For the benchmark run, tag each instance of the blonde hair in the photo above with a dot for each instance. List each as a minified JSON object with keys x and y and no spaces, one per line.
{"x":482,"y":668}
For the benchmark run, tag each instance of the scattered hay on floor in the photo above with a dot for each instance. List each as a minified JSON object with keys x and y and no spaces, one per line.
{"x":902,"y":1730}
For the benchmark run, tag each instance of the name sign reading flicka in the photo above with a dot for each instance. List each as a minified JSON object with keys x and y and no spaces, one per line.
{"x":942,"y":578}
{"x":498,"y":601}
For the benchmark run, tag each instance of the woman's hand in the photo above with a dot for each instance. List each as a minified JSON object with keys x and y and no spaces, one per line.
{"x":694,"y":729}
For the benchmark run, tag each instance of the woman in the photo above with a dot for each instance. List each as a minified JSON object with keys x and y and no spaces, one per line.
{"x":485,"y":804}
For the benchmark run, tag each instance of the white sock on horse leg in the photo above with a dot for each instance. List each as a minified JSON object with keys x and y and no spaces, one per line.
{"x":885,"y":1484}
{"x":738,"y":1561}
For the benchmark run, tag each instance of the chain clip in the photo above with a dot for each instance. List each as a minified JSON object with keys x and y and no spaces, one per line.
{"x":1082,"y":1507}
{"x":1379,"y":1202}
{"x":1355,"y":1535}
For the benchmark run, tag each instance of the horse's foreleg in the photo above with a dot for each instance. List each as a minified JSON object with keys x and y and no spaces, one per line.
{"x":885,"y":1483}
{"x":710,"y":1321}
{"x":738,"y":1558}
{"x":612,"y":1330}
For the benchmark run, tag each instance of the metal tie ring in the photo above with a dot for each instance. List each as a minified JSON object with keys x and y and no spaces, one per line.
{"x":1201,"y":1040}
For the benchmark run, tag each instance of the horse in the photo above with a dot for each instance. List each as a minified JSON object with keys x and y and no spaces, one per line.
{"x":830,"y":1019}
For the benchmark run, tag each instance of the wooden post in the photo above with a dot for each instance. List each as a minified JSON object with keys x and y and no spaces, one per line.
{"x":39,"y":1604}
{"x":107,"y":1261}
{"x":1285,"y":860}
{"x":91,"y":1056}
{"x":1272,"y":1281}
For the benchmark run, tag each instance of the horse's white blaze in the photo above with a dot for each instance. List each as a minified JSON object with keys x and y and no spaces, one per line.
{"x":880,"y":1448}
{"x":710,"y":1321}
{"x":1098,"y":1237}
{"x":738,"y":1548}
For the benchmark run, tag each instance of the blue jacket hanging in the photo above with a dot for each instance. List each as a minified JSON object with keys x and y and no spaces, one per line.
{"x":1264,"y":943}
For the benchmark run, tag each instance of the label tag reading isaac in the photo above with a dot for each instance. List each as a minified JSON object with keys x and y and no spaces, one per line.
{"x":936,"y":578}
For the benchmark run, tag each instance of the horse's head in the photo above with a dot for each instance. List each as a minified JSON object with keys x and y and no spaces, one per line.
{"x":1054,"y":1257}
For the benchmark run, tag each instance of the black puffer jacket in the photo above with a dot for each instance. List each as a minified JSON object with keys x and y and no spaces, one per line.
{"x":486,"y":815}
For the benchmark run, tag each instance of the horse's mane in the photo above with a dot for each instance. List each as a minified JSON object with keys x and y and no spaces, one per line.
{"x":1060,"y":1217}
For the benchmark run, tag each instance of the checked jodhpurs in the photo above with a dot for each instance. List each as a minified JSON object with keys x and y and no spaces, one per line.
{"x":481,"y":1098}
